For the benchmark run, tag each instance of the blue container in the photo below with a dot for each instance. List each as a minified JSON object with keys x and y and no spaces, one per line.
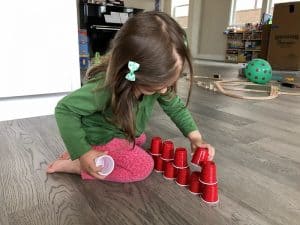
{"x":82,"y":36}
{"x":84,"y":49}
{"x":84,"y":62}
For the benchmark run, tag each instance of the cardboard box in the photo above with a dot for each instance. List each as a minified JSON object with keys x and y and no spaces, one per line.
{"x":284,"y":45}
{"x":266,"y":30}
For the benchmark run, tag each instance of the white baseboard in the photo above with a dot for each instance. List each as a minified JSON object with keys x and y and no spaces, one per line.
{"x":28,"y":106}
{"x":210,"y":57}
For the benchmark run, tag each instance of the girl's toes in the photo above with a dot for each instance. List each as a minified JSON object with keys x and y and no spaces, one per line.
{"x":64,"y":155}
{"x":50,"y":168}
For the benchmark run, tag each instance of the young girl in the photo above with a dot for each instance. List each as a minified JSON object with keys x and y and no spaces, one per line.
{"x":108,"y":115}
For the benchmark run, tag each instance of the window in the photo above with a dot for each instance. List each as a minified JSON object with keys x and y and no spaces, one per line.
{"x":250,"y":11}
{"x":180,"y":12}
{"x":246,"y":11}
{"x":273,"y":2}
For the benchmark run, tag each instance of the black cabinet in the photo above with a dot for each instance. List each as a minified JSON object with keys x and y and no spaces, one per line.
{"x":100,"y":30}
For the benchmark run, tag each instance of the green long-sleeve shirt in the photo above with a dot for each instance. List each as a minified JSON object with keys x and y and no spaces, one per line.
{"x":82,"y":122}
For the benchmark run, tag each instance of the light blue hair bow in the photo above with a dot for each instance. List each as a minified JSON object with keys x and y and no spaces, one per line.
{"x":185,"y":41}
{"x":132,"y":66}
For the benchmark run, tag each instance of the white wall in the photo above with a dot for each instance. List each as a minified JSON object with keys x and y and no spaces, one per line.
{"x":166,"y":6}
{"x":39,"y":56}
{"x":208,"y":19}
{"x":148,"y":5}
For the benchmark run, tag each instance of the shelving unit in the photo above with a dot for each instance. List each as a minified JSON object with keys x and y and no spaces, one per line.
{"x":243,"y":46}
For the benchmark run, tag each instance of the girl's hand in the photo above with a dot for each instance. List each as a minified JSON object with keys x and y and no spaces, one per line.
{"x":211,"y":149}
{"x":87,"y":163}
{"x":197,"y":141}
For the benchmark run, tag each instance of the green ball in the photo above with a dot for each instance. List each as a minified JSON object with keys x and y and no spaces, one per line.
{"x":258,"y":71}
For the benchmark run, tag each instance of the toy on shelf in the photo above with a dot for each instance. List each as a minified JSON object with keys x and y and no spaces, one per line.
{"x":243,"y":44}
{"x":97,"y":59}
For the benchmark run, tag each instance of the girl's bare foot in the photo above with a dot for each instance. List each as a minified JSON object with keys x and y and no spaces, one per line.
{"x":64,"y":155}
{"x":64,"y":166}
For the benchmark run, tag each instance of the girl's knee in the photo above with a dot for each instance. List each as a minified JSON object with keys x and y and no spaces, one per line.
{"x":141,"y":139}
{"x":143,"y":168}
{"x":149,"y":167}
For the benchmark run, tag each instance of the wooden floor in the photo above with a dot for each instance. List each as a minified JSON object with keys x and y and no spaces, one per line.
{"x":257,"y":155}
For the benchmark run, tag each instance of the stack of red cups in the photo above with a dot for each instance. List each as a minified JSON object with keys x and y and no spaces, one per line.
{"x":172,"y":167}
{"x":180,"y":162}
{"x":175,"y":166}
{"x":167,"y":155}
{"x":208,"y":177}
{"x":155,"y":151}
{"x":163,"y":155}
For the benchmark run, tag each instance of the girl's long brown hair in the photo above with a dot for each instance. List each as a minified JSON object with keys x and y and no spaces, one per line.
{"x":155,"y":41}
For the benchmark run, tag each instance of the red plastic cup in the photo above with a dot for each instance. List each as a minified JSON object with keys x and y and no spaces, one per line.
{"x":209,"y":173}
{"x":194,"y":184}
{"x":158,"y":164}
{"x":170,"y":172}
{"x":183,"y":177}
{"x":195,"y":175}
{"x":180,"y":158}
{"x":210,"y":194}
{"x":200,"y":156}
{"x":195,"y":187}
{"x":167,"y":150}
{"x":203,"y":164}
{"x":165,"y":162}
{"x":156,"y":144}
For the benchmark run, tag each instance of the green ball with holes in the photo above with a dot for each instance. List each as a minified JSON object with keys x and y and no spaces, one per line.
{"x":258,"y":71}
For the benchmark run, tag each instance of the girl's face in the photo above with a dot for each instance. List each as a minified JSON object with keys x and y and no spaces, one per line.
{"x":146,"y":91}
{"x":164,"y":88}
{"x":160,"y":89}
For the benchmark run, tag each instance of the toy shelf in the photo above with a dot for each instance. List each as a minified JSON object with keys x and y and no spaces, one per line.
{"x":243,"y":46}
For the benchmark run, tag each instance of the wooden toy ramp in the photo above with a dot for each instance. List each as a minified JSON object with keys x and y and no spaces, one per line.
{"x":244,"y":89}
{"x":241,"y":89}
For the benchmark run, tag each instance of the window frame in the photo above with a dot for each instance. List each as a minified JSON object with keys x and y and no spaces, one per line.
{"x":173,"y":9}
{"x":266,"y":6}
{"x":178,"y":6}
{"x":270,"y":4}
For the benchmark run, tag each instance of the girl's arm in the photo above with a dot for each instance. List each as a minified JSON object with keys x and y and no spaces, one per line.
{"x":181,"y":116}
{"x":178,"y":113}
{"x":69,"y":112}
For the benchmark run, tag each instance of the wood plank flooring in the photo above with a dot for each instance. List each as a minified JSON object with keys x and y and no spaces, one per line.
{"x":257,"y":155}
